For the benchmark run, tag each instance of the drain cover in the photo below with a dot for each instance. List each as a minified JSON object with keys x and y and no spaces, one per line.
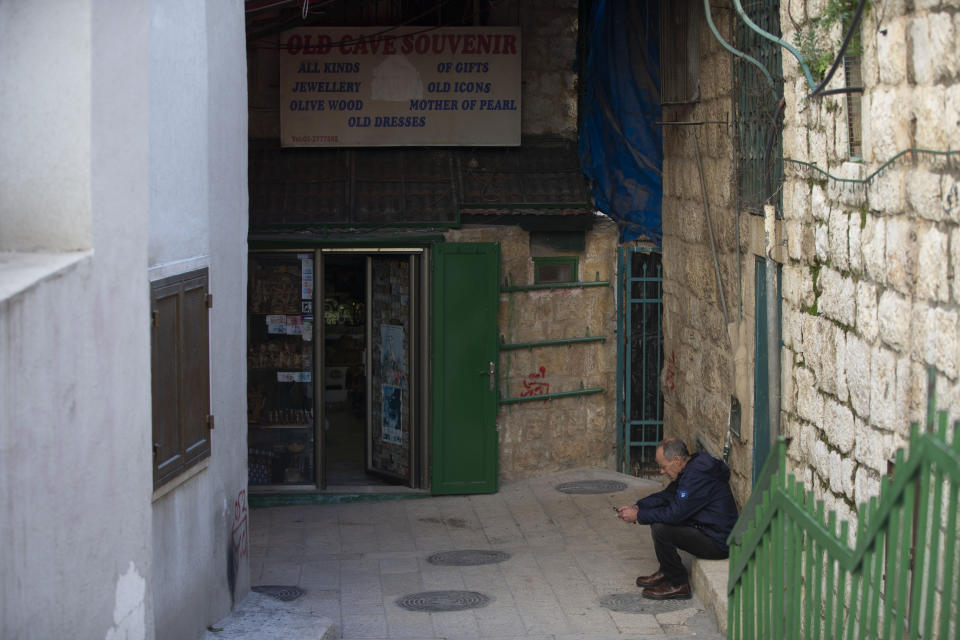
{"x":636,"y":603}
{"x":278,"y":592}
{"x":591,"y":486}
{"x":434,"y":601}
{"x":468,"y":557}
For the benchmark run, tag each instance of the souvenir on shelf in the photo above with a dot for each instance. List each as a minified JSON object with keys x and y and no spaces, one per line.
{"x":280,"y":409}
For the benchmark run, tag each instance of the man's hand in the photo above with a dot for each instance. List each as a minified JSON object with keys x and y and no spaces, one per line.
{"x":628,"y":513}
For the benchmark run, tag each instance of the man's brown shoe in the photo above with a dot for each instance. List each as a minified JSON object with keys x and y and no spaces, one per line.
{"x":667,"y":591}
{"x":651,"y":580}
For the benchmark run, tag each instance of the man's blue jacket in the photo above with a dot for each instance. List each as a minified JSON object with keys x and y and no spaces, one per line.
{"x":700,"y":497}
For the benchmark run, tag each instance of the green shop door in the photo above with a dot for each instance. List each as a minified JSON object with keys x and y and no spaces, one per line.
{"x":465,"y":297}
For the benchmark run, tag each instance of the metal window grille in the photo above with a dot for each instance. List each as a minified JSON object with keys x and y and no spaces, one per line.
{"x":680,"y":51}
{"x":851,"y":69}
{"x":853,"y":78}
{"x":641,"y":355}
{"x":759,"y":171}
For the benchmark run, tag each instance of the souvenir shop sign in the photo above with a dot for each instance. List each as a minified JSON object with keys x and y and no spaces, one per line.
{"x":379,"y":86}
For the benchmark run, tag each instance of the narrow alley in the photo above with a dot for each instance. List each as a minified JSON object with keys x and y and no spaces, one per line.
{"x":567,"y":570}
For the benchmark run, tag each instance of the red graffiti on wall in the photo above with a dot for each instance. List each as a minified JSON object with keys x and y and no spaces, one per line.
{"x":534,"y":384}
{"x":670,"y":375}
{"x":241,"y":542}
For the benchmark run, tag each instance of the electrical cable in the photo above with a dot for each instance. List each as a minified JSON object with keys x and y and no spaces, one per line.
{"x":736,"y":52}
{"x":769,"y":36}
{"x":877,"y":170}
{"x":817,"y":91}
{"x":841,"y":90}
{"x":768,"y":149}
{"x":854,"y":25}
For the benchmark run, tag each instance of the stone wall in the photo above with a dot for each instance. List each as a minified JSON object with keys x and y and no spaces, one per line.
{"x":545,"y":436}
{"x":549,"y":79}
{"x":705,"y":345}
{"x":871,"y":275}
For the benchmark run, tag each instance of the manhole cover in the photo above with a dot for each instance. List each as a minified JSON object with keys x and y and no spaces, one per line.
{"x":435,"y":601}
{"x":636,"y":603}
{"x":591,"y":486}
{"x":468,"y":557}
{"x":278,"y":592}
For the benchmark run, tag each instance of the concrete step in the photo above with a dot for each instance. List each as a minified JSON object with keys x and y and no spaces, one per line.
{"x":260,"y":617}
{"x":709,"y":581}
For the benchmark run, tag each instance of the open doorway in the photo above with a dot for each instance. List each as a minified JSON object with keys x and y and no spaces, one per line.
{"x":336,"y":380}
{"x":371,"y":408}
{"x":344,"y":369}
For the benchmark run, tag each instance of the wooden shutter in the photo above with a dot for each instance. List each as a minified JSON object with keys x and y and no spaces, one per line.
{"x":180,"y":366}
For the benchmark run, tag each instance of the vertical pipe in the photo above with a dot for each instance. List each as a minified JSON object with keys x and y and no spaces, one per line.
{"x":621,"y":362}
{"x":773,"y":324}
{"x":628,"y":363}
{"x":713,"y":244}
{"x":644,"y":308}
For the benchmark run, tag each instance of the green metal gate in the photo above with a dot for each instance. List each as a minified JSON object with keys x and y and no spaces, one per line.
{"x":792,"y":575}
{"x":640,"y":358}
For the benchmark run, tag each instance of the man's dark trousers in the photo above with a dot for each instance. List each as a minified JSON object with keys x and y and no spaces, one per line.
{"x":667,"y":538}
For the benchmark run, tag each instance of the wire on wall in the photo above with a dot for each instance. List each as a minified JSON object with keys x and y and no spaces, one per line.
{"x":772,"y":38}
{"x":877,"y":171}
{"x":854,"y":25}
{"x":736,"y":52}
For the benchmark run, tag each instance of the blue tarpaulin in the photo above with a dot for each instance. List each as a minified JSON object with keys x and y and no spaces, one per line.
{"x":621,"y":146}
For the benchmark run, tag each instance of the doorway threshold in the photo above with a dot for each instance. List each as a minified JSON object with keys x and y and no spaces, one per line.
{"x":340,"y":494}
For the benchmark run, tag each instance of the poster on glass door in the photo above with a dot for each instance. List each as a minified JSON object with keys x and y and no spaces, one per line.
{"x":394,"y":375}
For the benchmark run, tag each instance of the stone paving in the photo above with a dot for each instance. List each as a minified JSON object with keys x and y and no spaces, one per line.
{"x":568,"y":552}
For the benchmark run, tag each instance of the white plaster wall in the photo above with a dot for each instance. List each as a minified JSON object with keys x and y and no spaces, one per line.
{"x":198,"y":212}
{"x":179,"y":96}
{"x":45,"y":137}
{"x":142,"y":164}
{"x":75,"y":462}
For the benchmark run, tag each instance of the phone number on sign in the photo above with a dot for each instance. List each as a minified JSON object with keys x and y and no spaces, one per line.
{"x":315,"y":138}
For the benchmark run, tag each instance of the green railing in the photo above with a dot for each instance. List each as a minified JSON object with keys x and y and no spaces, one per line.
{"x":793,"y":575}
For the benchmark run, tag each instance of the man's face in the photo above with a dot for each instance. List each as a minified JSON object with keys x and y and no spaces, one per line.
{"x":669,"y":468}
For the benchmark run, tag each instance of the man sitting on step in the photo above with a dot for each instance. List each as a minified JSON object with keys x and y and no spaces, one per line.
{"x":696,"y":513}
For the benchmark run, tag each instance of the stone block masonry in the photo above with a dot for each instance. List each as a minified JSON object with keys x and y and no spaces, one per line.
{"x":871,"y":269}
{"x":536,"y":436}
{"x":887,"y":254}
{"x":706,"y":347}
